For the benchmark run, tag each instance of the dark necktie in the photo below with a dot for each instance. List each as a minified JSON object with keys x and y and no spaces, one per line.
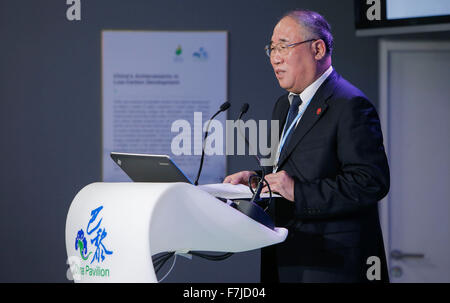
{"x":293,"y":112}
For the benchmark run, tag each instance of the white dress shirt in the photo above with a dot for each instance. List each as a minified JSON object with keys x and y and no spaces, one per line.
{"x":308,"y":93}
{"x":306,"y":96}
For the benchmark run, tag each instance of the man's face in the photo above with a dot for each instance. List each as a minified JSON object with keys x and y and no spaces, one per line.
{"x":296,"y":69}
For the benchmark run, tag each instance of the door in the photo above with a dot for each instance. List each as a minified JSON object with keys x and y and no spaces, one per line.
{"x":415,"y":116}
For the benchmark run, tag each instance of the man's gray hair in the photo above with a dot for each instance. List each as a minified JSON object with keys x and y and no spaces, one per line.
{"x":315,"y":24}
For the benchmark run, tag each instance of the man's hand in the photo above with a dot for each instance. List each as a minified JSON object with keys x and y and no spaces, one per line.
{"x":239,"y":178}
{"x":281,"y":183}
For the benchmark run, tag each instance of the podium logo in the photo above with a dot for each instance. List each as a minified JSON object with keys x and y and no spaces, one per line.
{"x":93,"y":250}
{"x":81,"y":245}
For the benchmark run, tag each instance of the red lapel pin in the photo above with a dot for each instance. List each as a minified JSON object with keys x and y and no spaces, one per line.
{"x":319,"y":110}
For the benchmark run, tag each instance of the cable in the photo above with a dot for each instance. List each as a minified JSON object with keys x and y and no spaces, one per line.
{"x":163,"y":261}
{"x":173,"y":264}
{"x":254,"y":193}
{"x":212,"y":257}
{"x":159,"y":261}
{"x":163,"y":255}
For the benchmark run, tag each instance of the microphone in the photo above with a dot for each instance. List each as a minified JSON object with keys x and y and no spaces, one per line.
{"x":244,"y":110}
{"x":250,"y":208}
{"x":222,"y":108}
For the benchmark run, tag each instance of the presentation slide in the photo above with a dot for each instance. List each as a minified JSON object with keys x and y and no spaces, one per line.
{"x":400,"y":9}
{"x":159,"y":89}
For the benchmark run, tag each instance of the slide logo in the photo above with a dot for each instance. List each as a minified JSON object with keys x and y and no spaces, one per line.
{"x":178,"y":51}
{"x":200,"y":55}
{"x":178,"y":54}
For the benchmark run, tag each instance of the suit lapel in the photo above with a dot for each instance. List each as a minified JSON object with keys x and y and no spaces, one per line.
{"x":315,"y":110}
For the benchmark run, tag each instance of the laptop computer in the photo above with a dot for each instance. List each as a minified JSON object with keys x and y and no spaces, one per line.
{"x":149,"y":168}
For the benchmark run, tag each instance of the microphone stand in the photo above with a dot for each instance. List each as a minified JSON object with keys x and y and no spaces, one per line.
{"x":223,"y":107}
{"x":251,"y":208}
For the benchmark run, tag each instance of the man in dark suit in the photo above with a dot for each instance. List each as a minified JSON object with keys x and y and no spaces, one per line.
{"x":330,"y":166}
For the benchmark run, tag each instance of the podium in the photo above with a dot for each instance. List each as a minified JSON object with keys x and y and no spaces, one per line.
{"x":114,"y":229}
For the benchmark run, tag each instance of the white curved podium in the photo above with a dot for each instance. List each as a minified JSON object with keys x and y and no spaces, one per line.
{"x":113,"y":229}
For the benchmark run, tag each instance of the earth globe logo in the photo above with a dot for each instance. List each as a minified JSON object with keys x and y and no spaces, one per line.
{"x":81,"y":244}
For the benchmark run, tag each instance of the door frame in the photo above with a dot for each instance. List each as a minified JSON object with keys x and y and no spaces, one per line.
{"x":385,"y":48}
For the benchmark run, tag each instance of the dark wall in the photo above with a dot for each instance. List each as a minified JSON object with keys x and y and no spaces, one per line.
{"x":50,"y":109}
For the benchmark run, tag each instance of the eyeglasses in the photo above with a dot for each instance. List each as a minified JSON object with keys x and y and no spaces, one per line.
{"x":282,"y":48}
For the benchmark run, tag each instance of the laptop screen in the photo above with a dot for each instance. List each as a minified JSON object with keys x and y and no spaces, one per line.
{"x":149,"y":168}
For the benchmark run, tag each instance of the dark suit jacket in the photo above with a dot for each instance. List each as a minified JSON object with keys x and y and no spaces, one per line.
{"x":337,"y":160}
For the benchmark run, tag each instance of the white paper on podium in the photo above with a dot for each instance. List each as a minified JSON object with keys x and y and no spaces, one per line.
{"x":230,"y":191}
